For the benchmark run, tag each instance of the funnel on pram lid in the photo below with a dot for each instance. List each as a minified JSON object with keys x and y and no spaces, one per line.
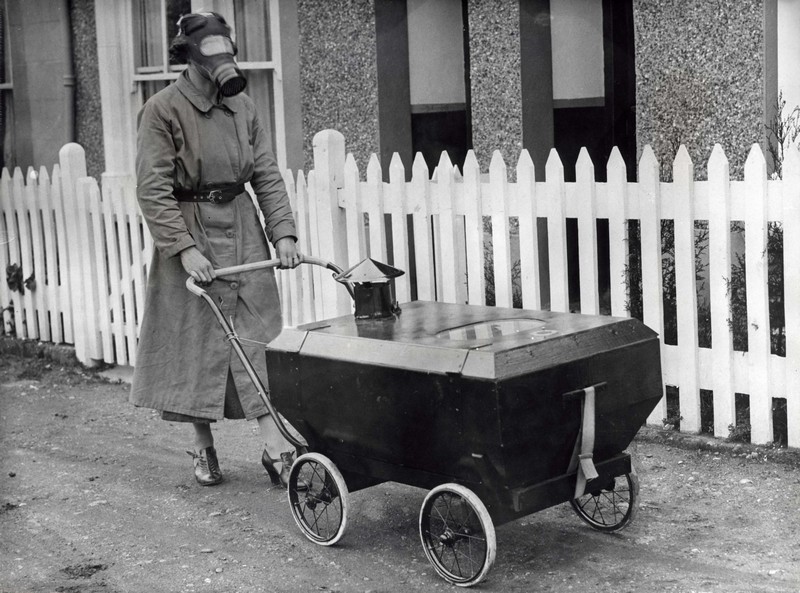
{"x":373,"y":288}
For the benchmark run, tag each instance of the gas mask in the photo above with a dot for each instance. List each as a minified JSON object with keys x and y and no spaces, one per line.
{"x":212,"y":50}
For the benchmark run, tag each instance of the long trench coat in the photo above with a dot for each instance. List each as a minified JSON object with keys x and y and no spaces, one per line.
{"x":183,"y":358}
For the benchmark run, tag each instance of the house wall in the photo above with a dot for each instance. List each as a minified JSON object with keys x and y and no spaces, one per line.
{"x":338,"y":74}
{"x":40,"y":59}
{"x":88,"y":109}
{"x":495,"y":79}
{"x":700,"y":79}
{"x":789,"y":52}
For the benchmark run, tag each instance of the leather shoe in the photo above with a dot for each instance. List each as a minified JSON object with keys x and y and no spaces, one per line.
{"x":206,"y":467}
{"x":281,"y":478}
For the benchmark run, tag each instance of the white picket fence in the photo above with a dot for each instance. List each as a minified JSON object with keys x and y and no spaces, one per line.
{"x":94,"y":251}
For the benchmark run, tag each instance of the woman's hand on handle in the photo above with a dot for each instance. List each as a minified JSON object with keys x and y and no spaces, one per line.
{"x":286,"y":250}
{"x":197,"y":266}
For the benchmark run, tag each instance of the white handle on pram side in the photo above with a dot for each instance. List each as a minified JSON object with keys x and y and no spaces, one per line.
{"x":193,"y":287}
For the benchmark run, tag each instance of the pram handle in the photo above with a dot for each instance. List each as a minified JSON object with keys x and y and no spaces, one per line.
{"x":267,"y":263}
{"x":231,"y":336}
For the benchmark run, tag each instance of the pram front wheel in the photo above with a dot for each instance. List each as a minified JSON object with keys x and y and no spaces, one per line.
{"x":320,"y":510}
{"x":457,"y":534}
{"x":610,"y":506}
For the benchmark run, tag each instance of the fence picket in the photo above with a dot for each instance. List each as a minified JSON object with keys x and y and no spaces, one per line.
{"x":617,"y":175}
{"x":9,"y":254}
{"x":45,"y":201}
{"x":587,"y":234}
{"x":446,"y":232}
{"x":528,"y":232}
{"x":473,"y":228}
{"x":374,"y":207}
{"x":38,"y":268}
{"x":95,"y":209}
{"x":557,"y":233}
{"x":313,"y":225}
{"x":306,"y":313}
{"x":29,"y":328}
{"x":111,"y":196}
{"x":758,"y":330}
{"x":719,"y":270}
{"x":65,"y":296}
{"x":686,"y":289}
{"x":652,"y":283}
{"x":354,"y":219}
{"x":791,"y":287}
{"x":501,"y":247}
{"x":399,"y":211}
{"x":423,"y":240}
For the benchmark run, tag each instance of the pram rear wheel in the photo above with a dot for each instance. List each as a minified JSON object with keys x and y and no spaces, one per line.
{"x":320,"y":510}
{"x":610,"y":506}
{"x":457,"y":534}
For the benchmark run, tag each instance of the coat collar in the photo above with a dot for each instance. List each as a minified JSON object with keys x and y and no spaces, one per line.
{"x":197,"y":98}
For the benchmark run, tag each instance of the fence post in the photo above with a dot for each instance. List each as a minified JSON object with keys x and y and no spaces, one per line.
{"x":423,"y":237}
{"x":329,"y":156}
{"x":756,"y":262}
{"x":72,"y":161}
{"x":652,"y":282}
{"x":375,"y":208}
{"x":719,"y":270}
{"x":791,"y":287}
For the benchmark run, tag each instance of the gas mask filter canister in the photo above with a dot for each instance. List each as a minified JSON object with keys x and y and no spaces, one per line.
{"x":212,"y":50}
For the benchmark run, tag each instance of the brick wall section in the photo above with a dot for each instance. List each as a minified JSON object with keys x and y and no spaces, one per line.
{"x":338,"y":74}
{"x":699,"y":67}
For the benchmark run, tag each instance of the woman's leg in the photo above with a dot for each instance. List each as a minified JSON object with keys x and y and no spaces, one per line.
{"x":203,"y":437}
{"x":273,"y":439}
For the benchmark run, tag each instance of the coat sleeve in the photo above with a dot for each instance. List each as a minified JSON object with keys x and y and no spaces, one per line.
{"x":155,"y":172}
{"x":267,"y":183}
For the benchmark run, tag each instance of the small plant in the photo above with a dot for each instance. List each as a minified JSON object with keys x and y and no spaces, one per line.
{"x":11,"y":329}
{"x":783,"y":130}
{"x":739,"y":433}
{"x":672,"y":422}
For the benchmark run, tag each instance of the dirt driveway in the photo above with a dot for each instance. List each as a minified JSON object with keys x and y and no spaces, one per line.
{"x":99,"y":497}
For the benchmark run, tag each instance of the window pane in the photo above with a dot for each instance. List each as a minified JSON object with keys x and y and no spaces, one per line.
{"x":260,"y":89}
{"x":252,"y":30}
{"x":152,"y":34}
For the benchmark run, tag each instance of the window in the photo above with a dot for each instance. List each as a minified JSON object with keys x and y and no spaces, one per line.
{"x":6,"y":99}
{"x":254,"y":29}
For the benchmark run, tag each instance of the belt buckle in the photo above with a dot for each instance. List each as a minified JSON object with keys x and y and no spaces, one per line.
{"x":215,"y":196}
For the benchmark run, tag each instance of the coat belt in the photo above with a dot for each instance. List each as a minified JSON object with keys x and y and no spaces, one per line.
{"x":218,"y":195}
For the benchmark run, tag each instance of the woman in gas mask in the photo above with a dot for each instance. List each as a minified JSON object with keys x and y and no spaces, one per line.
{"x":199,"y":142}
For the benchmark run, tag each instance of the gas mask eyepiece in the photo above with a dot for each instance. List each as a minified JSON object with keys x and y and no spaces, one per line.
{"x":211,"y":49}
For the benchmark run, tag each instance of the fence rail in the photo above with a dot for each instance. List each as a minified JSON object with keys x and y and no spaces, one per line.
{"x":462,"y":237}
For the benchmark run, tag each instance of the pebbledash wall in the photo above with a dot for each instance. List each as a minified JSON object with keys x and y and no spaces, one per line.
{"x":699,"y":66}
{"x":495,"y":82}
{"x":338,"y":74}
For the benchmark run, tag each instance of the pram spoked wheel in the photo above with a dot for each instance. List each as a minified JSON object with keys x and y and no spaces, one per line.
{"x":457,"y":534}
{"x":610,"y":506}
{"x":320,"y":511}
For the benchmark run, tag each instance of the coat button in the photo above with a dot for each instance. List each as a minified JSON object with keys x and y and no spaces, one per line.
{"x":234,"y":285}
{"x":229,"y":113}
{"x":229,"y":234}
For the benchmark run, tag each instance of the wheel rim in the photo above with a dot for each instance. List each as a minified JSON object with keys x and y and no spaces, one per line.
{"x":320,"y":510}
{"x":609,"y":508}
{"x":457,"y":535}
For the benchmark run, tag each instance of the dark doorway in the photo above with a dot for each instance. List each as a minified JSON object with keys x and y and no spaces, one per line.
{"x":601,"y":123}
